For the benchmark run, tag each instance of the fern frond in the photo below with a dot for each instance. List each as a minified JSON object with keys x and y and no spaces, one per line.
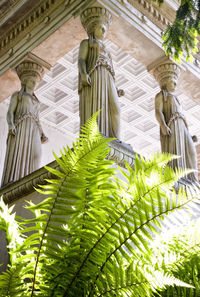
{"x":11,"y":227}
{"x":93,"y":234}
{"x":65,"y":203}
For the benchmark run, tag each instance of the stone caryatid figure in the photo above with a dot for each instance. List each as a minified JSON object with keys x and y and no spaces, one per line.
{"x":97,"y":88}
{"x":25,"y":133}
{"x":174,"y":135}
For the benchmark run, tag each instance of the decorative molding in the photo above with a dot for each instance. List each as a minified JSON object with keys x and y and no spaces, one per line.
{"x":8,"y":7}
{"x":26,"y":23}
{"x":119,"y":153}
{"x":134,"y":16}
{"x":32,"y":57}
{"x":173,"y":3}
{"x":151,"y":24}
{"x":155,"y":13}
{"x":163,"y":60}
{"x":26,"y":185}
{"x":45,"y":18}
{"x":34,"y":27}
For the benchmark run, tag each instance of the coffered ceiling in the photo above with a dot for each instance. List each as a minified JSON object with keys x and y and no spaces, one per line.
{"x":60,"y":102}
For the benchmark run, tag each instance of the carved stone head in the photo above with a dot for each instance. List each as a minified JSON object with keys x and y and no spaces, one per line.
{"x":166,"y":72}
{"x":28,"y":69}
{"x":93,"y":17}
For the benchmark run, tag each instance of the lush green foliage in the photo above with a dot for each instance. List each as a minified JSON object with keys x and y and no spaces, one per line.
{"x":182,"y":250}
{"x":94,"y":235}
{"x":182,"y":34}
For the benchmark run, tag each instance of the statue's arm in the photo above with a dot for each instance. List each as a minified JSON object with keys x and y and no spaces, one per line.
{"x":43,"y":137}
{"x":83,"y":53}
{"x":159,"y":114}
{"x":11,"y":113}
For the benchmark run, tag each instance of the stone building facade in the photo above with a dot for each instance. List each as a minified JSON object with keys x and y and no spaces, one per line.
{"x":51,"y":32}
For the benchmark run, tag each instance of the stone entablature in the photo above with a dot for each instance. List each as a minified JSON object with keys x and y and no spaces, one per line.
{"x":7,"y":7}
{"x":153,"y":13}
{"x":120,"y":152}
{"x":33,"y":27}
{"x":27,"y":32}
{"x":44,"y":17}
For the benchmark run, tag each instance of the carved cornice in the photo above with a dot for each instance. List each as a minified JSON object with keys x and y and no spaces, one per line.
{"x":7,"y":7}
{"x":35,"y":25}
{"x":15,"y":18}
{"x":25,"y":186}
{"x":42,"y":20}
{"x":45,"y":8}
{"x":41,"y":14}
{"x":148,"y":19}
{"x":119,"y":153}
{"x":140,"y":14}
{"x":153,"y":13}
{"x":26,"y":24}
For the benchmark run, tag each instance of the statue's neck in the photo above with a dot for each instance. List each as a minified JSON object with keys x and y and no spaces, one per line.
{"x":169,"y":92}
{"x":99,"y":41}
{"x":28,"y":91}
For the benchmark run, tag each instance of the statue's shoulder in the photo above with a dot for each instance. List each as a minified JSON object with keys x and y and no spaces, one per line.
{"x":84,"y":42}
{"x":159,"y":95}
{"x":15,"y":95}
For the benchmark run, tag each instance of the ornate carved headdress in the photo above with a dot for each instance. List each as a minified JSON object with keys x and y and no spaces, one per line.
{"x":93,"y":15}
{"x":166,"y":70}
{"x":29,"y":68}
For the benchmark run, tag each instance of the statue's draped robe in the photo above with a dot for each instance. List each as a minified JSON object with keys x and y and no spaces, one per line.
{"x":23,"y":149}
{"x":180,"y":141}
{"x":102,"y":94}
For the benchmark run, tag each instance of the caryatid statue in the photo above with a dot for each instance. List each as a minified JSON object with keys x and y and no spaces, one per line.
{"x":97,"y":88}
{"x":174,"y":134}
{"x":25,"y":135}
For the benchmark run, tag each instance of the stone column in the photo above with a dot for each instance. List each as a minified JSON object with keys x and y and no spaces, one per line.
{"x":174,"y":134}
{"x":97,"y":89}
{"x":25,"y":133}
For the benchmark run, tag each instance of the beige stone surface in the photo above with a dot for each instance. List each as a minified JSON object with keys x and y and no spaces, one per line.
{"x":190,"y":85}
{"x":69,"y":36}
{"x":61,"y":41}
{"x":9,"y":83}
{"x":129,"y":39}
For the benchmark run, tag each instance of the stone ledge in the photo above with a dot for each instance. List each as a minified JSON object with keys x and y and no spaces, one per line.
{"x":26,"y":185}
{"x":119,"y":152}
